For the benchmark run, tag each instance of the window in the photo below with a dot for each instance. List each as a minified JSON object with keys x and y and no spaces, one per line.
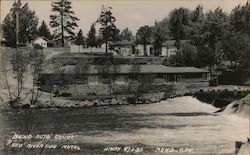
{"x":205,"y":76}
{"x":159,"y":78}
{"x":134,"y":79}
{"x":81,"y":80}
{"x":166,"y":78}
{"x":104,"y":79}
{"x":178,"y":78}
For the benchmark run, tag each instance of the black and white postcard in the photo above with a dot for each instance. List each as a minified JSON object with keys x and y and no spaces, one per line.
{"x":124,"y":77}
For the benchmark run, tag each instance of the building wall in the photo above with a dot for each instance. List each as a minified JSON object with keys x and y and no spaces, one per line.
{"x":58,"y":43}
{"x":122,"y":84}
{"x":41,"y":42}
{"x":125,"y":51}
{"x":140,"y":49}
{"x":168,"y":51}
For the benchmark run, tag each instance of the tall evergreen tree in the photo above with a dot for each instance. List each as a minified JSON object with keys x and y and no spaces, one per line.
{"x":91,"y":39}
{"x":27,"y":24}
{"x":63,"y":19}
{"x":43,"y":30}
{"x":79,"y":39}
{"x":108,"y":29}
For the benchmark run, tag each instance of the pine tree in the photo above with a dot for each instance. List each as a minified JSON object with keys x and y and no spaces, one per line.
{"x":63,"y":19}
{"x":43,"y":30}
{"x":108,"y":29}
{"x":27,"y":24}
{"x":91,"y":40}
{"x":79,"y":39}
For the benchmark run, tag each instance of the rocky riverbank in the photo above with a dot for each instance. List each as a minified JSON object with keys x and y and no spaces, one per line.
{"x":240,"y":108}
{"x":58,"y":102}
{"x":219,"y":97}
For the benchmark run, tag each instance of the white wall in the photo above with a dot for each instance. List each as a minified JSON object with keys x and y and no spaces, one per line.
{"x":41,"y":42}
{"x":168,"y":51}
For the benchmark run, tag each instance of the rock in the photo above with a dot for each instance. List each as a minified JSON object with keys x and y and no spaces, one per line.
{"x":113,"y":101}
{"x":25,"y":106}
{"x":89,"y":103}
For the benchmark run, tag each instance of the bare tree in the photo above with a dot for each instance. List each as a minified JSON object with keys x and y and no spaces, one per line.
{"x":19,"y":64}
{"x":37,"y":59}
{"x":5,"y":57}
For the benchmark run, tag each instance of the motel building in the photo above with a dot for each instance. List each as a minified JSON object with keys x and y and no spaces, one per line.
{"x":118,"y":79}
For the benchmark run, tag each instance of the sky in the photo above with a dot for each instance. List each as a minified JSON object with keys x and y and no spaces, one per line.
{"x":129,"y":13}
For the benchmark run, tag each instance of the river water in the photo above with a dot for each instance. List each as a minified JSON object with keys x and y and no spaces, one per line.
{"x":178,"y":123}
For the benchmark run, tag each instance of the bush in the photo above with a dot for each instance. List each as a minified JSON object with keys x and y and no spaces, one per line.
{"x":37,"y":46}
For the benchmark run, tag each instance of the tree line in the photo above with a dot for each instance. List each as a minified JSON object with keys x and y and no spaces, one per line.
{"x":216,"y":36}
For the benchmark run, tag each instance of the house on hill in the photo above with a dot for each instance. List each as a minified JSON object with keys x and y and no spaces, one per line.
{"x":113,"y":79}
{"x":42,"y":41}
{"x":124,"y":47}
{"x":57,"y":42}
{"x":169,"y":48}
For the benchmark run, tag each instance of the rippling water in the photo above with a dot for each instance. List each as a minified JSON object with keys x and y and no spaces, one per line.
{"x":182,"y":122}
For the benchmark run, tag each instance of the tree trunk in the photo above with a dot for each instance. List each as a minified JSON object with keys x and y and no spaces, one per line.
{"x":106,"y":46}
{"x":145,"y":49}
{"x":6,"y":80}
{"x":62,"y":29}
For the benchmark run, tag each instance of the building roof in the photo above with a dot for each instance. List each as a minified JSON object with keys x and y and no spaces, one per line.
{"x":169,"y":43}
{"x":46,"y":39}
{"x":121,"y":69}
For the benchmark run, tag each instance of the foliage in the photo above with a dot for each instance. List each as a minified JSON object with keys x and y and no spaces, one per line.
{"x":43,"y":30}
{"x":27,"y":24}
{"x":79,"y":38}
{"x":91,"y":39}
{"x":36,"y":62}
{"x":63,"y":19}
{"x":206,"y":57}
{"x":235,"y":47}
{"x":178,"y":21}
{"x":19,"y":64}
{"x":186,"y":56}
{"x":108,"y":29}
{"x":143,"y":36}
{"x":240,"y":19}
{"x":158,"y":40}
{"x":37,"y":46}
{"x":126,"y":34}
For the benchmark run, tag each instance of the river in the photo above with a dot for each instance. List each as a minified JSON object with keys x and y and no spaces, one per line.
{"x":179,"y":123}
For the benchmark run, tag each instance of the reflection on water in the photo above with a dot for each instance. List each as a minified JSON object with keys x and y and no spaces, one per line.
{"x":179,"y":122}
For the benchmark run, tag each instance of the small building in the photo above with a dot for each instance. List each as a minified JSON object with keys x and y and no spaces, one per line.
{"x":58,"y":42}
{"x":124,"y":47}
{"x":42,"y":41}
{"x":144,"y":52}
{"x":112,"y":79}
{"x":169,"y":48}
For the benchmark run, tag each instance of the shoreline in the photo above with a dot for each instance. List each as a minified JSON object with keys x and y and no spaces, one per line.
{"x":218,"y":97}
